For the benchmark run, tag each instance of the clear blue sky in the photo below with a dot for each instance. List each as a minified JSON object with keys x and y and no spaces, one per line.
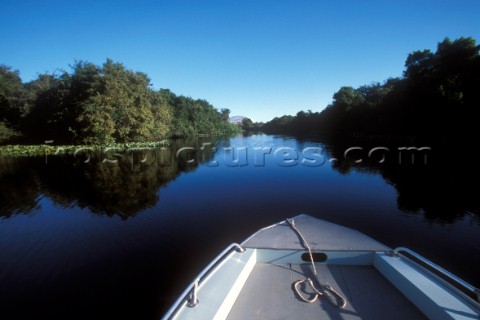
{"x":260,"y":59}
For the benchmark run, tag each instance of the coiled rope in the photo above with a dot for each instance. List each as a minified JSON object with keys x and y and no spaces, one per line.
{"x":325,"y":289}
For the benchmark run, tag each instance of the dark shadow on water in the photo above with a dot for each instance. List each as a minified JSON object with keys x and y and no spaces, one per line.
{"x":111,"y":183}
{"x":439,"y":181}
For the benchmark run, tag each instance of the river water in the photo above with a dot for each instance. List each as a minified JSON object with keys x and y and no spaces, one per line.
{"x":120,"y":235}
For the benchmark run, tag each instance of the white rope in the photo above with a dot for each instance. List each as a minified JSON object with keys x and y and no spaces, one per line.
{"x":325,"y":289}
{"x":305,"y":243}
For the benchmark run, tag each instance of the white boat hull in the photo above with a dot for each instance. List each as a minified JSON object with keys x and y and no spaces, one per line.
{"x":258,"y":281}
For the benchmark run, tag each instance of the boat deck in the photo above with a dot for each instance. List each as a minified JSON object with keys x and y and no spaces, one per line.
{"x":321,"y":235}
{"x":269,"y":294}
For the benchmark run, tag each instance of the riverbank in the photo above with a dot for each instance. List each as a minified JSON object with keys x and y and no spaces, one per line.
{"x":50,"y":149}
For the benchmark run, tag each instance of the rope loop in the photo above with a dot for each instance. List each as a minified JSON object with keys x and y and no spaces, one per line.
{"x":325,"y":289}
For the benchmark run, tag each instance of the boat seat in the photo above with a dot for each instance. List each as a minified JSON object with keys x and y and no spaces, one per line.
{"x":433,"y":299}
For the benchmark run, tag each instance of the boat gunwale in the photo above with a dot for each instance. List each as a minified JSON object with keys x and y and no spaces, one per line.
{"x":202,"y":277}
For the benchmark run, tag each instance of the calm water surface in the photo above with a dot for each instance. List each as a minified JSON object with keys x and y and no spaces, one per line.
{"x":87,"y":238}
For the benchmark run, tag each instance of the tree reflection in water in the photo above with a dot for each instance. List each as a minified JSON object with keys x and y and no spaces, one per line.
{"x":110,"y":183}
{"x":445,"y":188}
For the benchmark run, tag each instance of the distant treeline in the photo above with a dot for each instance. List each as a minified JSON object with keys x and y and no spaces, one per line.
{"x":100,"y":104}
{"x":437,"y":97}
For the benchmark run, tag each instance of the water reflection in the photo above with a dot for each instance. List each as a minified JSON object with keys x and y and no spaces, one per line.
{"x":438,"y":182}
{"x":20,"y":186}
{"x":111,"y":183}
{"x":432,"y":182}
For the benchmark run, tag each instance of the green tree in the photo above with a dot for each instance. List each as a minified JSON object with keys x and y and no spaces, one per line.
{"x":247,"y":124}
{"x":13,"y":102}
{"x":7,"y":133}
{"x":193,"y":117}
{"x":225,"y":114}
{"x":346,"y":98}
{"x":98,"y":105}
{"x":437,"y":98}
{"x":46,"y":118}
{"x":418,"y":64}
{"x":120,"y":108}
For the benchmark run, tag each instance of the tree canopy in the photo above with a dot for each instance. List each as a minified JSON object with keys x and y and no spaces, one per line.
{"x":437,"y":97}
{"x":100,"y":104}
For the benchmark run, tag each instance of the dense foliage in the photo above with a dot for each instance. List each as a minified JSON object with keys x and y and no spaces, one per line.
{"x":100,"y":104}
{"x":436,"y":97}
{"x":193,"y":117}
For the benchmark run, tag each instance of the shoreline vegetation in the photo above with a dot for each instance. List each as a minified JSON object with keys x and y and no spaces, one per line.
{"x":110,"y":106}
{"x":94,"y":105}
{"x":435,"y":100}
{"x":51,"y":149}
